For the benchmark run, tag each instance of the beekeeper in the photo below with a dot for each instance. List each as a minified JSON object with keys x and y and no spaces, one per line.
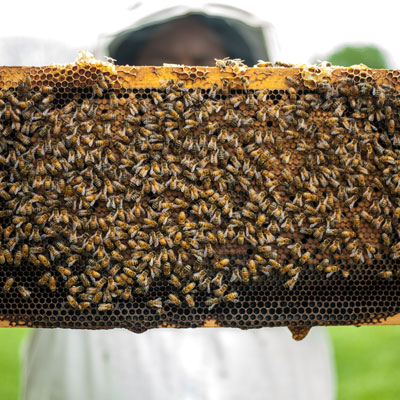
{"x":181,"y":364}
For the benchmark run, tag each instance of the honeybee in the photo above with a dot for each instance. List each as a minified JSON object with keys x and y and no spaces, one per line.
{"x":305,"y":257}
{"x":105,"y":307}
{"x":52,"y":283}
{"x":97,"y":90}
{"x":240,"y":237}
{"x":245,"y":275}
{"x":209,"y":251}
{"x":44,"y":279}
{"x":72,"y":302}
{"x":290,"y":283}
{"x":156,"y":303}
{"x":7,"y":232}
{"x":386,"y":239}
{"x":18,"y":258}
{"x":295,"y":249}
{"x":92,"y":273}
{"x":391,"y":126}
{"x":385,"y":274}
{"x":252,"y":267}
{"x":116,"y":255}
{"x":283,"y":241}
{"x":205,"y":284}
{"x":331,"y":269}
{"x":217,"y":280}
{"x":189,"y":301}
{"x":76,"y":289}
{"x":221,"y":290}
{"x":126,"y":294}
{"x":71,"y":281}
{"x":323,"y":264}
{"x":173,"y":299}
{"x":44,"y":260}
{"x":143,"y":278}
{"x":211,"y":302}
{"x":72,"y":260}
{"x":231,"y":297}
{"x":221,"y":264}
{"x":292,"y":93}
{"x":395,"y":255}
{"x":84,"y":304}
{"x":25,"y":293}
{"x":377,"y":222}
{"x":396,"y":247}
{"x":221,"y":237}
{"x":114,"y":102}
{"x":371,"y":250}
{"x":2,"y":257}
{"x":212,"y":92}
{"x":347,"y":234}
{"x":8,"y":284}
{"x":182,"y":218}
{"x":357,"y":255}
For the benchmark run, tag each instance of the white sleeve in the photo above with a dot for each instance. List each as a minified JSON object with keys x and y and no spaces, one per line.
{"x":206,"y":363}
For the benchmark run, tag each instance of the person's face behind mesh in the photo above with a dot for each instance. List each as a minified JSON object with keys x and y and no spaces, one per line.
{"x":186,"y":41}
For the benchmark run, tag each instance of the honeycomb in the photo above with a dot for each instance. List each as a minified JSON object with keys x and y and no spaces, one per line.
{"x":177,"y":196}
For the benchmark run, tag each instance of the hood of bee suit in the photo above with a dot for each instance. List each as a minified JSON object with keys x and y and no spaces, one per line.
{"x":242,"y":34}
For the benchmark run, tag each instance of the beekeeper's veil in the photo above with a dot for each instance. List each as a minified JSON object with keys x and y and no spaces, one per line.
{"x":242,"y":34}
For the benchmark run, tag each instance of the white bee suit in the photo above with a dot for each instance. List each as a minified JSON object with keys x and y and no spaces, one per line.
{"x":171,"y":364}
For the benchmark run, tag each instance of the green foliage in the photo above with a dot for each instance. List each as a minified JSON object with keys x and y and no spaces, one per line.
{"x":10,"y":339}
{"x":352,"y":55}
{"x":367,"y":362}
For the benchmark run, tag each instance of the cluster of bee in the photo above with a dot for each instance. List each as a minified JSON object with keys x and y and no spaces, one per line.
{"x":107,"y":195}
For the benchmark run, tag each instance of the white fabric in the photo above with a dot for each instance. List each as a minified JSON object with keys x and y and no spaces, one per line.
{"x":205,"y":363}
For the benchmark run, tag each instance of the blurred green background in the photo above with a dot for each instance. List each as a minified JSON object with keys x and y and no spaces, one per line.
{"x":367,"y":362}
{"x":352,"y":55}
{"x":10,"y":341}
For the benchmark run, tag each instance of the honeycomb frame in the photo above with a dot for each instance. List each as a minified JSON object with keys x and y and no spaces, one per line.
{"x":315,"y":299}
